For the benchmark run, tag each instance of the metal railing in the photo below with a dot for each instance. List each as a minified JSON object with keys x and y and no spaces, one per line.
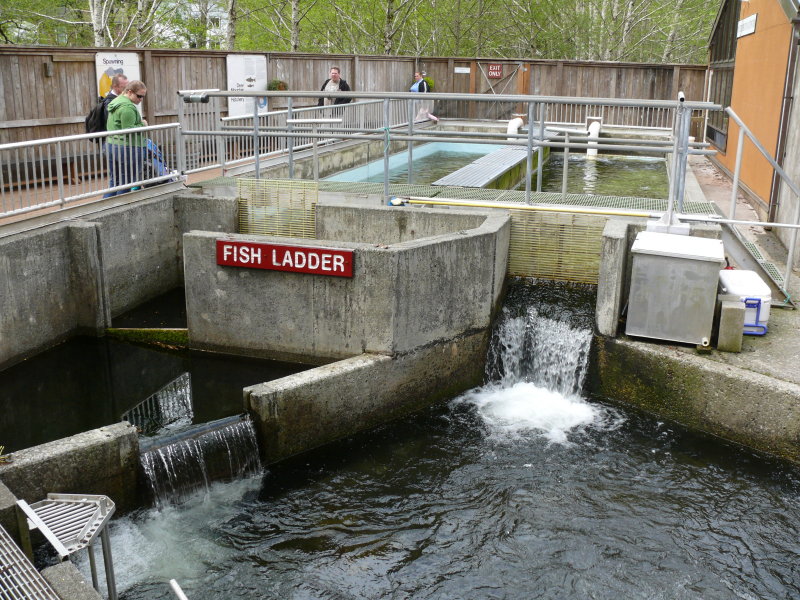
{"x":58,"y":171}
{"x":543,"y":112}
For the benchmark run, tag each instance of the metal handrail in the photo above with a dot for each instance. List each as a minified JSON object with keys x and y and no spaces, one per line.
{"x":744,"y":130}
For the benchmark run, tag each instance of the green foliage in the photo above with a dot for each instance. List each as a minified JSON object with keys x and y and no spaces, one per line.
{"x":616,"y":30}
{"x":277,"y":85}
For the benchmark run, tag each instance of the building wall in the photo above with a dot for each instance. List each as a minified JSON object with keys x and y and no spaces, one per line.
{"x":757,"y":96}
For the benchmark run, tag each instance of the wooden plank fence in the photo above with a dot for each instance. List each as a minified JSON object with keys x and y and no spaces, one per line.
{"x":47,"y":91}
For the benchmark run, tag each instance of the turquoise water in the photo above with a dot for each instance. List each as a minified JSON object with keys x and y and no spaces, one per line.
{"x":431,"y":162}
{"x":603,"y":175}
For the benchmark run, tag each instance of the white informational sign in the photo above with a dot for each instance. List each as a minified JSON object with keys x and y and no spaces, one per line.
{"x":746,"y":26}
{"x":462,"y":70}
{"x":108,"y":64}
{"x":246,"y":72}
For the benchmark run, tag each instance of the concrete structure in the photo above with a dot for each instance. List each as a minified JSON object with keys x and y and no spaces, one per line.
{"x":68,"y":582}
{"x":731,"y":326}
{"x":420,"y":277}
{"x":73,"y":276}
{"x":307,"y":410}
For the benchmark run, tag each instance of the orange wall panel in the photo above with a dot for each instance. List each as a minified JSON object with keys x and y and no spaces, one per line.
{"x":757,"y":95}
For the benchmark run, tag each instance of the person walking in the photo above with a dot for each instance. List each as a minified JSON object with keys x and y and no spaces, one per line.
{"x":334,"y":83}
{"x":126,"y":151}
{"x":420,"y":85}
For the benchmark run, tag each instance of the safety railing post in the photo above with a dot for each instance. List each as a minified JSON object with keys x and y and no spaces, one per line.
{"x":290,"y":139}
{"x":410,"y":106}
{"x":736,"y":172}
{"x":180,"y":138}
{"x":683,"y":153}
{"x":529,"y":163}
{"x":221,"y":141}
{"x":566,"y":167}
{"x":60,"y":174}
{"x":256,"y":144}
{"x":540,"y":160}
{"x":385,"y":152}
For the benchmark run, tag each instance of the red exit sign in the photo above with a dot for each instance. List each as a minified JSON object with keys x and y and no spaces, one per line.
{"x":277,"y":257}
{"x":495,"y":71}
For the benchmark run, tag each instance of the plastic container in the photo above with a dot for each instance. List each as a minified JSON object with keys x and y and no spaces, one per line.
{"x":749,"y":288}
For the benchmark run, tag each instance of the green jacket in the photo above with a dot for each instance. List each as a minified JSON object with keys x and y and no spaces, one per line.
{"x":123,"y":114}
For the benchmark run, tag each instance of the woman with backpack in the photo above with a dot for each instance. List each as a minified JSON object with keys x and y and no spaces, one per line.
{"x":420,"y":85}
{"x":126,"y":151}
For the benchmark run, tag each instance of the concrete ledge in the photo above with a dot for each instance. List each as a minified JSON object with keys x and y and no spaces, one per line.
{"x":316,"y":407}
{"x":611,"y":277}
{"x":735,"y":404}
{"x":68,"y":582}
{"x":101,"y":461}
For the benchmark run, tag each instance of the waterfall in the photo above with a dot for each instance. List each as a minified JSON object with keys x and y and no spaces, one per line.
{"x":536,"y":349}
{"x":535,"y":371}
{"x":182,"y":465}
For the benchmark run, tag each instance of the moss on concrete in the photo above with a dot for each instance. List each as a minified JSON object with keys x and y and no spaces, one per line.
{"x":173,"y":339}
{"x":737,"y":405}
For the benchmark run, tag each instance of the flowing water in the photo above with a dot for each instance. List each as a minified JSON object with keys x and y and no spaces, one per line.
{"x":522,"y":488}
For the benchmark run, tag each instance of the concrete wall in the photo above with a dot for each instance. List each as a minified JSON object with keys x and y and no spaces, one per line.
{"x":760,"y":412}
{"x":313,"y":408}
{"x":101,"y":461}
{"x":403,"y":294}
{"x":74,"y":276}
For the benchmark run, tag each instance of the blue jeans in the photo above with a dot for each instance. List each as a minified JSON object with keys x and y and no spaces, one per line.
{"x":124,"y":166}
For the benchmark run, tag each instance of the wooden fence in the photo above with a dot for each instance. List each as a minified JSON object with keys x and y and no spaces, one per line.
{"x":47,"y":91}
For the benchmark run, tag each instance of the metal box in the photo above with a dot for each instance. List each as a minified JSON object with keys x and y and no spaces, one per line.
{"x":674,"y":287}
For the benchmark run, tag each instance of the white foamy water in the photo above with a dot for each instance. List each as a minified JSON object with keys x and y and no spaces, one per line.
{"x":158,"y":545}
{"x":524,"y":407}
{"x":537,"y":367}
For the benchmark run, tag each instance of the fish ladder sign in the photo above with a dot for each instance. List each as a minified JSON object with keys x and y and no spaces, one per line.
{"x":277,"y":257}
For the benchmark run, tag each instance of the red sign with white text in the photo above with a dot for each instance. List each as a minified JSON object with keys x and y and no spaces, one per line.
{"x":495,"y":71}
{"x":277,"y":257}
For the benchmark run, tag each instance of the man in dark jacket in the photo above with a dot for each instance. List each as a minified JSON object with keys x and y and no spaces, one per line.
{"x":118,"y":83}
{"x":334,"y":84}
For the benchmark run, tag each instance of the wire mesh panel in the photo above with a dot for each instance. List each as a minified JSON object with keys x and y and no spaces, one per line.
{"x":279,"y":207}
{"x":19,"y":579}
{"x":559,"y":246}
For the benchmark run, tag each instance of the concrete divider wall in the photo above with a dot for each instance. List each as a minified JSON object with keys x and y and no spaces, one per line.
{"x":402,"y":295}
{"x":309,"y":409}
{"x":101,"y":461}
{"x":72,"y":277}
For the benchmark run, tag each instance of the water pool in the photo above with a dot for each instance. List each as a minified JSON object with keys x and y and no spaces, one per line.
{"x":521,"y":488}
{"x":430,"y":162}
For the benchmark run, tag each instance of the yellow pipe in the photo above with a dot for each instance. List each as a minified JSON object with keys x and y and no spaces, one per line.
{"x":560,"y":209}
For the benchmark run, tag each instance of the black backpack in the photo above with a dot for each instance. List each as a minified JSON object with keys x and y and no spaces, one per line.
{"x":96,"y":119}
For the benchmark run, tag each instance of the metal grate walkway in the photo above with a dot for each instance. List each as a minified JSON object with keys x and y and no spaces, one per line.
{"x":483,"y":171}
{"x":19,"y":579}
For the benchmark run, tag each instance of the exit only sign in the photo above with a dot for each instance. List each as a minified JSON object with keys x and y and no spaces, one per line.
{"x":495,"y":71}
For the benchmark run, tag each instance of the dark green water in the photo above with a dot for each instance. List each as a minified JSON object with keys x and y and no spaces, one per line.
{"x":89,"y":382}
{"x":523,"y":488}
{"x":607,"y":175}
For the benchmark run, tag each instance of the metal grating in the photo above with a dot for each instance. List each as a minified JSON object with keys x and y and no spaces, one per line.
{"x":559,"y":246}
{"x":19,"y":579}
{"x":169,"y":406}
{"x":769,"y":268}
{"x":486,"y":169}
{"x":281,"y":207}
{"x":70,"y":522}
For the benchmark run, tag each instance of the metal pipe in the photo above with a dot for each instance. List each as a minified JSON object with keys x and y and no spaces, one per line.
{"x":386,"y":152}
{"x":529,"y":158}
{"x":565,"y":168}
{"x":108,"y":563}
{"x":410,"y":175}
{"x":290,"y":139}
{"x":539,"y":208}
{"x":540,"y":155}
{"x":736,"y":172}
{"x":256,"y":144}
{"x":177,"y":590}
{"x":509,"y":98}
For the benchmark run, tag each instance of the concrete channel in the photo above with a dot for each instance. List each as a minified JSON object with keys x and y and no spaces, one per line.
{"x":387,"y":341}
